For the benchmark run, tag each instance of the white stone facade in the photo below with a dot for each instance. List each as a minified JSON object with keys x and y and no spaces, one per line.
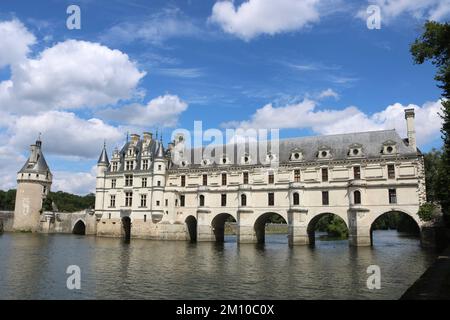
{"x":355,"y":176}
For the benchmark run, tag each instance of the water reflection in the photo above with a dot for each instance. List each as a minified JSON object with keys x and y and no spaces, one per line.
{"x":34,"y":266}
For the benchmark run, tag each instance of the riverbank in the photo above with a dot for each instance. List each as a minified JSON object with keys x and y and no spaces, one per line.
{"x":434,"y":284}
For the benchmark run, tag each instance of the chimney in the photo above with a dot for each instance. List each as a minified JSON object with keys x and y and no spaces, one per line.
{"x":409,"y":116}
{"x":134,"y":138}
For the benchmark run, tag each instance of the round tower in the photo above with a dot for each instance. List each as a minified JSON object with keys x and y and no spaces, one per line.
{"x":102,"y":166}
{"x":33,"y":185}
{"x":159,"y":182}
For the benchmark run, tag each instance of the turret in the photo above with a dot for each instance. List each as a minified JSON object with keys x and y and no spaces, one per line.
{"x":33,"y":185}
{"x":102,"y":166}
{"x":159,"y":182}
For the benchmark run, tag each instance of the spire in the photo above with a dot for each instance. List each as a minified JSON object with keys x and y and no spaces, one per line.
{"x":160,"y":151}
{"x":103,"y":159}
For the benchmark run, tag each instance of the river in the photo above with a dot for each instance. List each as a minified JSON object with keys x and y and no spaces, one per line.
{"x":33,"y":266}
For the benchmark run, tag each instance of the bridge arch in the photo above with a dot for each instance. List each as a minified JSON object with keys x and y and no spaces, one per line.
{"x":260,"y":225}
{"x":313,"y":224}
{"x":218,"y":225}
{"x":79,"y":227}
{"x":405,"y":221}
{"x":191,"y":228}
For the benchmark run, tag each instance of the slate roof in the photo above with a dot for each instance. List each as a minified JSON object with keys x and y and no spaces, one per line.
{"x":40,"y":166}
{"x":339,"y":145}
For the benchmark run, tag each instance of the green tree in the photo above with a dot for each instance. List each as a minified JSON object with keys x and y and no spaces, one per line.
{"x":433,"y":166}
{"x":434,"y":45}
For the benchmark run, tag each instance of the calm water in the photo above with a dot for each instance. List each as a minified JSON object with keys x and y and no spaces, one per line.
{"x":34,"y":266}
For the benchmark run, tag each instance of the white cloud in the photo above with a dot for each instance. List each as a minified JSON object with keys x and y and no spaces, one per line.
{"x":63,"y":133}
{"x":420,"y":9}
{"x":10,"y":164}
{"x":164,"y":110}
{"x":328,"y":93}
{"x":80,"y":183}
{"x":331,"y":121}
{"x":180,"y":72}
{"x":169,"y":23}
{"x":256,"y":17}
{"x":15,"y":42}
{"x":71,"y":74}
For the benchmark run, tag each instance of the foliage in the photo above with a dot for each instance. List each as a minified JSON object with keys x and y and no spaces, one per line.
{"x":396,"y":221}
{"x":7,"y":200}
{"x":333,"y":225}
{"x":434,"y":45}
{"x":427,"y":211}
{"x":66,"y":202}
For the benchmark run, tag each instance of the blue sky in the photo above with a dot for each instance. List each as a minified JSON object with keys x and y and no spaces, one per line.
{"x":306,"y":67}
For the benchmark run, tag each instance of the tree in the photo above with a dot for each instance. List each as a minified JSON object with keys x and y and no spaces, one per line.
{"x":434,"y":45}
{"x":433,"y":166}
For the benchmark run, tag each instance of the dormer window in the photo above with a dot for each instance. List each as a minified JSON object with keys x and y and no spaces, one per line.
{"x":324,"y":153}
{"x":205,"y":162}
{"x":270,"y":157}
{"x":355,"y":150}
{"x":389,"y":147}
{"x":183,"y":163}
{"x":296,"y":155}
{"x":245,"y":159}
{"x":224,"y":160}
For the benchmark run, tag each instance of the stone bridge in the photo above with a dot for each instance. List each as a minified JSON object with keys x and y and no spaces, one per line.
{"x":207,"y":224}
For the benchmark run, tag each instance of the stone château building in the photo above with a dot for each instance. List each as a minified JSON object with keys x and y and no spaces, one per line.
{"x":142,"y":192}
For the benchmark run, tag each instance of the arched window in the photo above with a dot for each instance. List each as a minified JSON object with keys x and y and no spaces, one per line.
{"x":202,"y":200}
{"x":357,"y":197}
{"x":243,"y":200}
{"x":296,"y":199}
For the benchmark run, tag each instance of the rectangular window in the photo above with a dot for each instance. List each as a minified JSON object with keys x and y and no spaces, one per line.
{"x":157,"y":203}
{"x":129,"y":165}
{"x":271,"y":199}
{"x":114,"y":166}
{"x":158,"y":183}
{"x":223,"y":200}
{"x":297,"y":175}
{"x":159,"y":167}
{"x":145,"y":218}
{"x":324,"y":174}
{"x":113,"y":183}
{"x":357,"y":173}
{"x":182,"y":200}
{"x":112,"y":201}
{"x":205,"y":179}
{"x":224,"y":179}
{"x":145,"y":164}
{"x":176,"y":202}
{"x":392,"y":196}
{"x":183,"y":181}
{"x":167,"y":202}
{"x":143,"y":200}
{"x":271,"y":178}
{"x":144,"y":182}
{"x":128,"y":199}
{"x":128,"y":180}
{"x":325,"y":198}
{"x":245,"y":178}
{"x":391,"y":171}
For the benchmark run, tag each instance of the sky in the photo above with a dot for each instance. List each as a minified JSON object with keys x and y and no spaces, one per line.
{"x":306,"y":67}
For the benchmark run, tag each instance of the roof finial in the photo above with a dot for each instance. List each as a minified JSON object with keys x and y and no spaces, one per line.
{"x":156,"y":133}
{"x":39,"y":136}
{"x":104,"y":143}
{"x":127,"y":136}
